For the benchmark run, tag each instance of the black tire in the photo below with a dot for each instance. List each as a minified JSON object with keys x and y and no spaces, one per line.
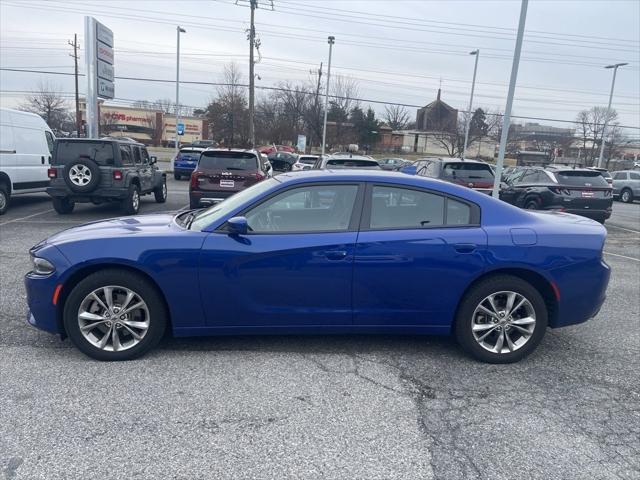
{"x":160,"y":192}
{"x":5,"y":197}
{"x":131,"y":204}
{"x":464,"y":318}
{"x":531,"y":204}
{"x":154,"y":301}
{"x":626,"y":195}
{"x":79,"y":170}
{"x":63,"y":206}
{"x":177,"y":176}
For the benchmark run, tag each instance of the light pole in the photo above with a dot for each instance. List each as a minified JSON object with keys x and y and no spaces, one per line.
{"x":606,"y":118}
{"x":506,"y":121}
{"x":331,"y":40}
{"x":470,"y":115}
{"x":179,"y":30}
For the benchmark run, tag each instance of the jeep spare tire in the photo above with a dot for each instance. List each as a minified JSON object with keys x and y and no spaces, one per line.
{"x":82,"y":175}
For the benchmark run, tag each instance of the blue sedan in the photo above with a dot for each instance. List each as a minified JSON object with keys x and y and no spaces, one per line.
{"x":367,"y":251}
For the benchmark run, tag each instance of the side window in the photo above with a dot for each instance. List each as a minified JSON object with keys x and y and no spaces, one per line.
{"x":125,"y":154}
{"x":145,"y":155}
{"x":458,"y":213}
{"x":136,"y":155}
{"x":49,"y":140}
{"x":432,"y":169}
{"x":395,"y":207}
{"x":314,"y":208}
{"x":634,"y":176}
{"x":515,"y":177}
{"x":620,"y":176}
{"x":529,"y":176}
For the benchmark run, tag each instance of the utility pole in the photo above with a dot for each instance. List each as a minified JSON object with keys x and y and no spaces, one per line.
{"x":179,"y":30}
{"x":252,"y":39}
{"x":473,"y":87}
{"x":512,"y":88}
{"x":331,"y":40}
{"x":606,"y":119}
{"x":317,"y":99}
{"x":75,"y":59}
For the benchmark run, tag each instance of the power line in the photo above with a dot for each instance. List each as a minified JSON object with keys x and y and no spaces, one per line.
{"x":289,"y":90}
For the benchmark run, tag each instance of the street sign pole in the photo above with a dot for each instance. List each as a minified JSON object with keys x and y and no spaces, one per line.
{"x":90,"y":68}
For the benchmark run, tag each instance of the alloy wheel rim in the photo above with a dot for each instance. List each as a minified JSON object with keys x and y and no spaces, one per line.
{"x":80,"y":175}
{"x":503,"y":322}
{"x":113,"y":318}
{"x":135,"y":200}
{"x":3,"y":200}
{"x":164,"y":190}
{"x":625,"y":196}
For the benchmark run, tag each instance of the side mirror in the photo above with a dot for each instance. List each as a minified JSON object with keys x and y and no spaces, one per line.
{"x":238,"y":226}
{"x":153,"y":159}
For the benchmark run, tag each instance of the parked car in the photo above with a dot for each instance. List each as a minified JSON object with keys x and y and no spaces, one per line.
{"x":269,"y":149}
{"x":186,"y":161}
{"x":581,"y":191}
{"x":626,"y":185}
{"x":452,"y":260}
{"x":99,"y":171}
{"x":282,"y":161}
{"x":223,"y":172}
{"x":26,"y":145}
{"x":347,"y":161}
{"x":469,"y":173}
{"x":605,"y":173}
{"x":305,"y":162}
{"x":393,"y":163}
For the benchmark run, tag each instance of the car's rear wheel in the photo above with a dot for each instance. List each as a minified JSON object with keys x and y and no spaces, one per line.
{"x":131,"y":204}
{"x":63,"y":205}
{"x":4,"y":199}
{"x":160,"y":192}
{"x":626,"y":196}
{"x":114,"y":315}
{"x":532,"y":204}
{"x":501,"y":320}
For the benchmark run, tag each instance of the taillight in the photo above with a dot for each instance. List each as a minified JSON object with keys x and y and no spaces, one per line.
{"x":607,"y":193}
{"x":560,"y":191}
{"x":52,"y":173}
{"x":117,"y":174}
{"x":260,"y":175}
{"x":194,"y":179}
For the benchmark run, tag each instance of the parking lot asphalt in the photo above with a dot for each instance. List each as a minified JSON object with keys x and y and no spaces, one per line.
{"x":356,"y":407}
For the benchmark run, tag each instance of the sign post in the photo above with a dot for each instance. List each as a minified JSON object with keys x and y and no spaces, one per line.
{"x":99,"y":61}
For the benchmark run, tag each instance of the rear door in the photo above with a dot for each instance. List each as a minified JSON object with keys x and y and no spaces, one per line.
{"x":417,"y":251}
{"x":293,"y":268}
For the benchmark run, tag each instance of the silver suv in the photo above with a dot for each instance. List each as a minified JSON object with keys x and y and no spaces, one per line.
{"x":626,"y":185}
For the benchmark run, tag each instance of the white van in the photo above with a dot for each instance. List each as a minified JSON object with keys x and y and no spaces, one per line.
{"x":26,"y":145}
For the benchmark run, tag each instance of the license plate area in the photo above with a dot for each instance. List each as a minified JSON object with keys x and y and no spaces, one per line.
{"x":587,"y":194}
{"x":227,"y":183}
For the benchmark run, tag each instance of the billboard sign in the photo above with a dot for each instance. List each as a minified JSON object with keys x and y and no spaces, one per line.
{"x":105,"y":71}
{"x":181,"y":129}
{"x":104,"y":35}
{"x":105,"y":87}
{"x":302,"y":143}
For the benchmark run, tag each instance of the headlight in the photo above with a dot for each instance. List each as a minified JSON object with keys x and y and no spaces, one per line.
{"x":42,"y":266}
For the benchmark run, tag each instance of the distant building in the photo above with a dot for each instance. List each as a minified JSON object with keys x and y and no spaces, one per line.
{"x":437,"y":117}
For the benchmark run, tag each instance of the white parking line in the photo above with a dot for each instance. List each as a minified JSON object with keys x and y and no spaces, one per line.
{"x":625,"y":229}
{"x":24,"y":218}
{"x":623,"y":256}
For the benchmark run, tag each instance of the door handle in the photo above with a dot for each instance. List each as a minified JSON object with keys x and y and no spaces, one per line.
{"x":336,"y":254}
{"x":42,"y":160}
{"x":464,"y":247}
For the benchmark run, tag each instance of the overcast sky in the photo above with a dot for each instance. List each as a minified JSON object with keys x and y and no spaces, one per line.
{"x":399,"y":51}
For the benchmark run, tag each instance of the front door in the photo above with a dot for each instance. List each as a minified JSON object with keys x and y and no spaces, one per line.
{"x":293,"y":268}
{"x":416,"y":252}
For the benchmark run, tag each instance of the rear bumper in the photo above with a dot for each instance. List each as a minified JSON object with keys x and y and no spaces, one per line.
{"x":209,"y":197}
{"x":102,"y":193}
{"x":183,"y":170}
{"x":592,"y":214}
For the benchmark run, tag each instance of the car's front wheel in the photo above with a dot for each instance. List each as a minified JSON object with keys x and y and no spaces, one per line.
{"x":502,"y":319}
{"x":160,"y":192}
{"x":114,"y":315}
{"x":63,"y":205}
{"x":626,"y":196}
{"x":4,"y":199}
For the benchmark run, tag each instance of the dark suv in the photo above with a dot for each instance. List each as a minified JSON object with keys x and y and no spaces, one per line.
{"x":221,"y":173}
{"x":580,"y":191}
{"x":100,"y":171}
{"x":469,"y":173}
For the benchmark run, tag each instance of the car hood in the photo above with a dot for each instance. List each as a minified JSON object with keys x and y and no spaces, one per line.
{"x":116,"y":227}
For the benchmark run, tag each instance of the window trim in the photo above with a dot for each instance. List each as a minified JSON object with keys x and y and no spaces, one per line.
{"x":365,"y":218}
{"x":354,"y":221}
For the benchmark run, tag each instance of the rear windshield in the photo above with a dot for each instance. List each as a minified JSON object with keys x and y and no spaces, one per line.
{"x":577,"y":178}
{"x":308,"y":160}
{"x":99,"y":152}
{"x":228,"y":161}
{"x":351,"y":163}
{"x":468,"y":171}
{"x":190,"y":152}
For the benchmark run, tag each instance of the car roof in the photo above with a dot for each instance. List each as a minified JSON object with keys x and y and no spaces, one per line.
{"x":237,"y":150}
{"x":104,"y":140}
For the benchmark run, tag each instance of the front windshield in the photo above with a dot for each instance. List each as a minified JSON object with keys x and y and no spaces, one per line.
{"x":219,"y":210}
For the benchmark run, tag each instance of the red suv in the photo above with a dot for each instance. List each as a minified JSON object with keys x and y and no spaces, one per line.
{"x":221,"y":173}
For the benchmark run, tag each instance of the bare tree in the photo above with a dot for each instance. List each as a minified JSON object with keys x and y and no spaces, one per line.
{"x":47,"y":102}
{"x":482,"y":126}
{"x":396,"y":116}
{"x":228,"y":113}
{"x":589,"y":128}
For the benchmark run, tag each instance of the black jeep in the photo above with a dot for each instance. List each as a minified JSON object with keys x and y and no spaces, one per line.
{"x":106,"y":170}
